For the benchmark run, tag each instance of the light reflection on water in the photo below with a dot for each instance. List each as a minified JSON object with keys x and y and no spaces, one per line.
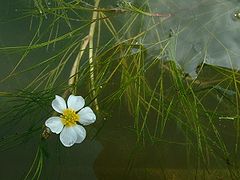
{"x":205,"y":31}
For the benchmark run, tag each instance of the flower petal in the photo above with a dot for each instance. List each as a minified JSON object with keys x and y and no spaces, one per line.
{"x":68,"y":136}
{"x":81,"y":133}
{"x":75,"y":102}
{"x":55,"y":124}
{"x":87,"y":116}
{"x":59,"y":104}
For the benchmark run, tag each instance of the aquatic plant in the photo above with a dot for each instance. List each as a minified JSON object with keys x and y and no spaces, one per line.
{"x":162,"y":80}
{"x":72,"y":115}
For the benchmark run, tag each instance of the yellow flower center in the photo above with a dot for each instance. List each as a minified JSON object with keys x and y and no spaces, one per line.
{"x":69,"y":117}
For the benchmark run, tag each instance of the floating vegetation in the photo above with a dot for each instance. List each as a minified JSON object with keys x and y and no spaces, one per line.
{"x":160,"y":83}
{"x":73,"y":115}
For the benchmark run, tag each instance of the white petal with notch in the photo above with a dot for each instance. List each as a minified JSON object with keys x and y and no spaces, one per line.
{"x":59,"y":104}
{"x":68,"y":136}
{"x":87,"y":116}
{"x":81,"y":133}
{"x":55,"y":124}
{"x":75,"y":102}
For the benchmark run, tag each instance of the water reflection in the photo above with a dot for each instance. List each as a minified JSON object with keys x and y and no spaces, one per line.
{"x":207,"y":25}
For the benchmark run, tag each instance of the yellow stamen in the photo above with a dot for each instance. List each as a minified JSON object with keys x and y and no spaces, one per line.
{"x":69,"y":117}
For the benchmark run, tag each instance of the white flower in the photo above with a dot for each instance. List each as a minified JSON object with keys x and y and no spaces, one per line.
{"x":72,"y":115}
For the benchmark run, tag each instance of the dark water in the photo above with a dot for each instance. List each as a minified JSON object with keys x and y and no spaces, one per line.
{"x":111,"y":150}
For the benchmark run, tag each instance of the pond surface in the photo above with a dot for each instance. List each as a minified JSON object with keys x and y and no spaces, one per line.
{"x":165,"y":79}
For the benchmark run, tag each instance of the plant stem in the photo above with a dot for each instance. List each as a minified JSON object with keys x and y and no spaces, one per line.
{"x":91,"y":64}
{"x":74,"y":70}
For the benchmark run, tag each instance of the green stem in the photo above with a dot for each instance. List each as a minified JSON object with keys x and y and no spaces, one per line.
{"x":91,"y":63}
